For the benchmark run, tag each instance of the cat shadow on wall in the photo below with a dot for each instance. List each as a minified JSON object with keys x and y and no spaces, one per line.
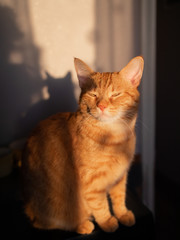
{"x":61,"y":98}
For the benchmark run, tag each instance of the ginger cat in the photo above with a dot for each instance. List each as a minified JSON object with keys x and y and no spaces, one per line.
{"x":73,"y":160}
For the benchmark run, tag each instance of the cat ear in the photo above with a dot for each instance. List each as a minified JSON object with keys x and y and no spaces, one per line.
{"x":83,"y":72}
{"x":133,"y":71}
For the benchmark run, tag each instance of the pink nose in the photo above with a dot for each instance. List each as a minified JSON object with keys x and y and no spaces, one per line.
{"x":102,"y":107}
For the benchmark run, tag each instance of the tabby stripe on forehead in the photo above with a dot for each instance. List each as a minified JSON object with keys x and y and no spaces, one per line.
{"x":109,"y":80}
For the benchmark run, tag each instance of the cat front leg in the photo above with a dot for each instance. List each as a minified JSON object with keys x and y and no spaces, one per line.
{"x":118,"y":197}
{"x":97,"y":201}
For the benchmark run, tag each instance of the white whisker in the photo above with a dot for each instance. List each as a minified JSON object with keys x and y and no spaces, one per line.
{"x":128,"y":126}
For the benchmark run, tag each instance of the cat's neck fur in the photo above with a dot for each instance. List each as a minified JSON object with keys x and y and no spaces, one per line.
{"x":115,"y":132}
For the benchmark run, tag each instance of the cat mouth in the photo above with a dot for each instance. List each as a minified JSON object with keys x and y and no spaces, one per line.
{"x":104,"y":116}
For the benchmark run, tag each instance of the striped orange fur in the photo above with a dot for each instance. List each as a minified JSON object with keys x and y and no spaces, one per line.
{"x":73,"y":160}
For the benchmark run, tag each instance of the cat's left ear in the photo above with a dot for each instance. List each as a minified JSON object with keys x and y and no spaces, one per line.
{"x":133,"y":71}
{"x":83,"y":72}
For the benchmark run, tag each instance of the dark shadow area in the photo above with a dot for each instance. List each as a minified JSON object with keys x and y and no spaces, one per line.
{"x":167,"y":208}
{"x":21,"y":98}
{"x":167,"y":120}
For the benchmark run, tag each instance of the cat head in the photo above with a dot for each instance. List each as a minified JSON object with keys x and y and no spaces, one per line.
{"x":110,"y":97}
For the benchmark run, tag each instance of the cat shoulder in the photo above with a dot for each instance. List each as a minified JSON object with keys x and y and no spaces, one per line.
{"x":52,"y":124}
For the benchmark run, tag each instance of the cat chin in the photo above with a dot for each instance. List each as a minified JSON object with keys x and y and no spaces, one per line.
{"x":108,"y":119}
{"x":103,"y":118}
{"x":118,"y":118}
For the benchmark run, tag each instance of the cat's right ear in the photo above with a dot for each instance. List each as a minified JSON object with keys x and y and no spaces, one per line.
{"x":83,"y":72}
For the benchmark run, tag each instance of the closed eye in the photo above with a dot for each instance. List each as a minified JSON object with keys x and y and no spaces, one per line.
{"x":92,"y":94}
{"x":116,"y":94}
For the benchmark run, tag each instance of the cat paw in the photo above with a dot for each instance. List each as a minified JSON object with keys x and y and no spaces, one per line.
{"x":111,"y":225}
{"x":127,"y":219}
{"x":85,"y":228}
